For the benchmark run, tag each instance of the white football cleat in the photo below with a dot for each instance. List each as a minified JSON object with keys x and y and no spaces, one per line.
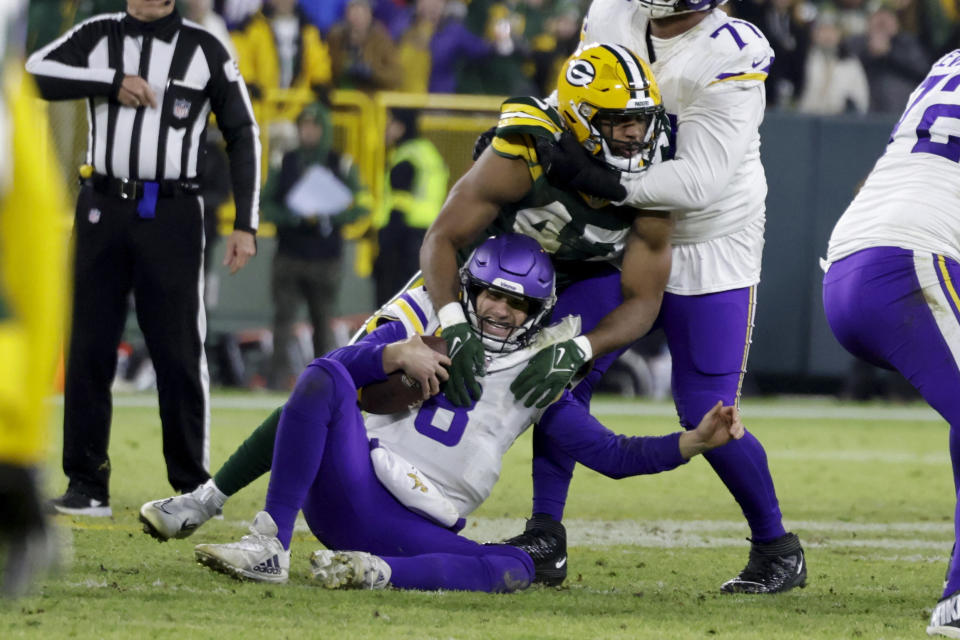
{"x":180,"y":516}
{"x":258,"y":556}
{"x":349,"y":570}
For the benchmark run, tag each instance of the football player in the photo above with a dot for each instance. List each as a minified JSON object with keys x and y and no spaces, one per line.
{"x":387,"y":494}
{"x":892,"y":268}
{"x":610,"y":103}
{"x":710,"y":69}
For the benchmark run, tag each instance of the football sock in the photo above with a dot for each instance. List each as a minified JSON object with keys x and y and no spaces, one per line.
{"x":742,"y":466}
{"x":490,"y":572}
{"x":252,"y":458}
{"x":301,"y":440}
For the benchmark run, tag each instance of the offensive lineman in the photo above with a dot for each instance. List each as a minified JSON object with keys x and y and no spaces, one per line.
{"x":889,"y":291}
{"x":375,"y":497}
{"x":711,"y":70}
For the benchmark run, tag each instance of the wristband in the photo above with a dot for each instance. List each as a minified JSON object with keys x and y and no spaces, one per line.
{"x":584,"y":343}
{"x":451,"y":314}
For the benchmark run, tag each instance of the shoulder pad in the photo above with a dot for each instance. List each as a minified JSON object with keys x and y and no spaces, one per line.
{"x":738,"y":51}
{"x":527,"y":115}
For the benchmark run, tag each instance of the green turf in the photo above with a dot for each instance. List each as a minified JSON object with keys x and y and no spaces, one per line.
{"x":871,"y":499}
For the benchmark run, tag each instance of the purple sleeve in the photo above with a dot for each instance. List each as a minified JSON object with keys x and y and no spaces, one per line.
{"x":364,"y":359}
{"x":572,"y":429}
{"x":470,"y":45}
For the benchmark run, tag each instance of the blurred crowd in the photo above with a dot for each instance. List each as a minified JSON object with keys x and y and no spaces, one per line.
{"x":832,"y":56}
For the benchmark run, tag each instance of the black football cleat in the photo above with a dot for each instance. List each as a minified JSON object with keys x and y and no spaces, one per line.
{"x":545,"y":539}
{"x":773,"y":567}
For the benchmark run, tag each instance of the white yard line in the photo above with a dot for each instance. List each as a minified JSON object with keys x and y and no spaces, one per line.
{"x":783,"y":410}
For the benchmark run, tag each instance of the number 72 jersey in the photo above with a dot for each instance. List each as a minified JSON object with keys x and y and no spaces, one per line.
{"x":911,"y":199}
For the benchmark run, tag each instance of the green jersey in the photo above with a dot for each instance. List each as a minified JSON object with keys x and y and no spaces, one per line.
{"x":581,"y":232}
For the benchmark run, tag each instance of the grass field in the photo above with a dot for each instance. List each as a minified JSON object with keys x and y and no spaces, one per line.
{"x":867,"y":487}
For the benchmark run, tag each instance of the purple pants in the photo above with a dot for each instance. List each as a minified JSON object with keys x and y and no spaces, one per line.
{"x":709,"y":338}
{"x":898,"y":309}
{"x":321,"y":464}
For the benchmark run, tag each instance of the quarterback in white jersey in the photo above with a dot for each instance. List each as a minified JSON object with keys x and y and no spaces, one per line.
{"x":710,"y":69}
{"x":398,"y":486}
{"x":890,"y":287}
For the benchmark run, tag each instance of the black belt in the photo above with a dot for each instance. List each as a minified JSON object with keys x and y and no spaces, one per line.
{"x":133,"y":189}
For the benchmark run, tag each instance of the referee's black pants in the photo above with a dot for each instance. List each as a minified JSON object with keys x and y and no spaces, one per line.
{"x":161,"y":261}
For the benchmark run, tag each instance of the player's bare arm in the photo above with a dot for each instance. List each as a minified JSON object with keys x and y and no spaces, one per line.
{"x":419,"y":362}
{"x":473,"y":203}
{"x":646,"y":268}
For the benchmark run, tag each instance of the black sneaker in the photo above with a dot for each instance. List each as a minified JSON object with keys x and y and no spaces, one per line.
{"x":545,"y":539}
{"x":74,"y":503}
{"x":945,"y":619}
{"x":773,"y":567}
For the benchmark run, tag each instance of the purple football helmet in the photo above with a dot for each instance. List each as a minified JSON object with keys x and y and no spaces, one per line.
{"x":516,"y":266}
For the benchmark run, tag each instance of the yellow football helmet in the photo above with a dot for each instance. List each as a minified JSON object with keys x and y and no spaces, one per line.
{"x":606,"y":90}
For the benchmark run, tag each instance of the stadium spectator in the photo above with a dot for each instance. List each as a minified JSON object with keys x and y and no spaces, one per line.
{"x":893,"y":60}
{"x":314,"y":192}
{"x":552,"y":49}
{"x":47,"y":19}
{"x":280,"y":49}
{"x":362,"y":53}
{"x":852,"y":17}
{"x":513,"y":26}
{"x":434,"y":47}
{"x":360,"y":499}
{"x":891,"y":263}
{"x":834,"y":81}
{"x":236,"y":12}
{"x":324,"y":13}
{"x":139,"y":226}
{"x":416,"y":186}
{"x":201,"y":12}
{"x":787,"y":30}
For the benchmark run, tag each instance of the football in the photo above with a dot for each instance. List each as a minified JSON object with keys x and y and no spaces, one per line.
{"x":398,"y":392}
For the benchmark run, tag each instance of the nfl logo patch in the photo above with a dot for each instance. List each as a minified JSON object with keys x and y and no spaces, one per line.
{"x":181,"y":108}
{"x":94,"y":216}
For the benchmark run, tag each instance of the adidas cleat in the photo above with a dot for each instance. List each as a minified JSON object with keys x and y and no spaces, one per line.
{"x":945,"y":619}
{"x":258,"y":556}
{"x":180,"y":516}
{"x":773,"y":567}
{"x":545,"y":540}
{"x":349,"y":570}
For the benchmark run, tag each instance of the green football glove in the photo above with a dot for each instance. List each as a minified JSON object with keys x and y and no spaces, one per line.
{"x":550,"y":371}
{"x":466,"y":363}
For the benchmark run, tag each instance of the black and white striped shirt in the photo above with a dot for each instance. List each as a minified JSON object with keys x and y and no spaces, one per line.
{"x":191,"y":74}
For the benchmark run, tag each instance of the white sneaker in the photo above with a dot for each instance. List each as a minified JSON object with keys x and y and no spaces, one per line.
{"x":259,"y":556}
{"x":180,"y":516}
{"x":349,"y":570}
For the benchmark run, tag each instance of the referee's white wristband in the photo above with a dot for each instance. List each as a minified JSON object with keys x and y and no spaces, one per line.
{"x":451,"y":314}
{"x":584,"y":343}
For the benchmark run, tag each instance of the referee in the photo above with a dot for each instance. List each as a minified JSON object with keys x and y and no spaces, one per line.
{"x":150,"y":80}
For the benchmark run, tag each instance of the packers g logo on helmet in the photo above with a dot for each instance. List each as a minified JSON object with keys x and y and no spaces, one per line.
{"x":580,"y":73}
{"x":604,"y":86}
